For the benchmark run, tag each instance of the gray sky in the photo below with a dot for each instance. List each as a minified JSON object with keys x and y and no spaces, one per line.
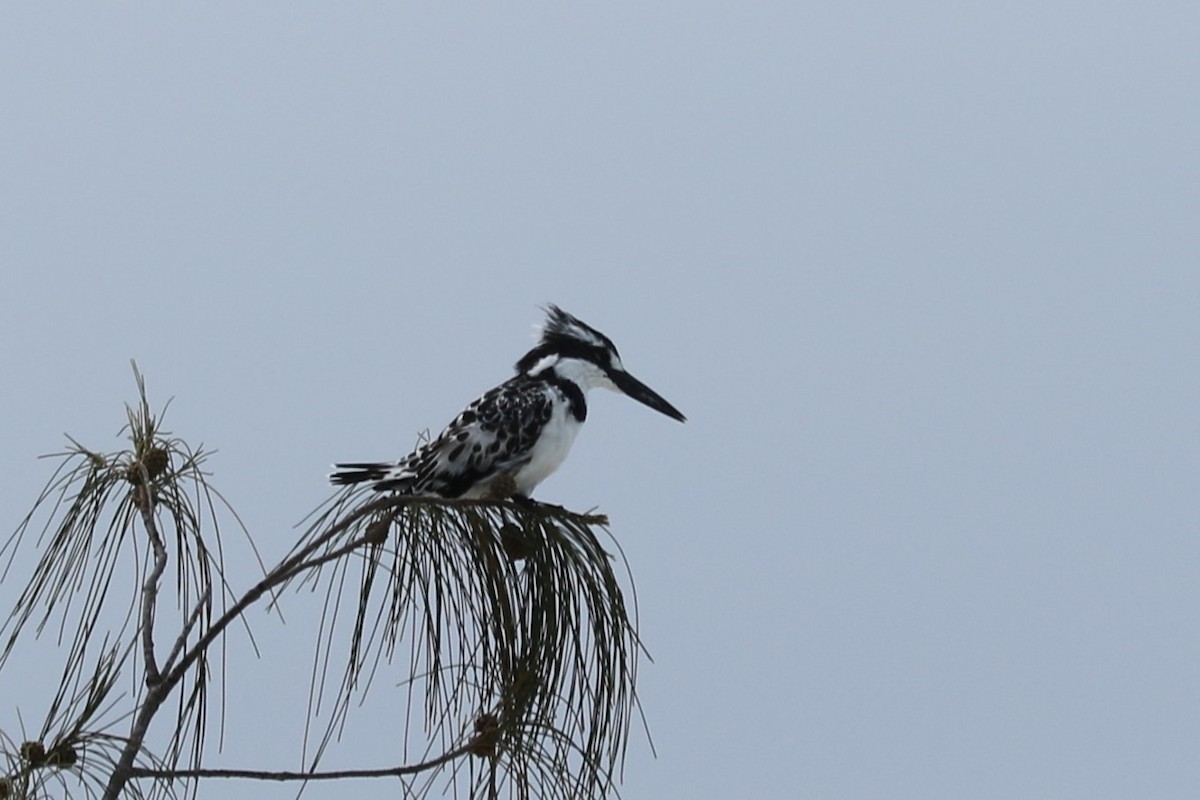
{"x":924,"y":277}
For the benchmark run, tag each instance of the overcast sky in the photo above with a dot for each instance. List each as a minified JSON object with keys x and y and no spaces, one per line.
{"x":925,"y":278}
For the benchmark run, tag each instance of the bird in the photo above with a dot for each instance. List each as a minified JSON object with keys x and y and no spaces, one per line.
{"x":515,"y":435}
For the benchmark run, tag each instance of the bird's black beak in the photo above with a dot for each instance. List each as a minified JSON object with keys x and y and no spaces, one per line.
{"x":644,"y":394}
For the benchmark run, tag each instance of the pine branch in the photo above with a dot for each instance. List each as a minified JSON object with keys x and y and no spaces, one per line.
{"x":508,"y":620}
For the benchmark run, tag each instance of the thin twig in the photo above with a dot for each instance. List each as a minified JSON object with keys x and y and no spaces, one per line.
{"x":332,"y":775}
{"x":192,"y":619}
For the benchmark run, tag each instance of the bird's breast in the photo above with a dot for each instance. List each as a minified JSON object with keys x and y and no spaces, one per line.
{"x":550,"y":450}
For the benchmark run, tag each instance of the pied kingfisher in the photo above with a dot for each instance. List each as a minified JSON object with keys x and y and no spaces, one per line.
{"x":510,"y":439}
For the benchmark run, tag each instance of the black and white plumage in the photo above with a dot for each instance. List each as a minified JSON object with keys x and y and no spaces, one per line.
{"x":510,"y":439}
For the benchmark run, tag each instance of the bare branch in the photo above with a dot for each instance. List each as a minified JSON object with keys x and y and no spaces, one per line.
{"x":330,"y":775}
{"x":181,"y":640}
{"x":145,"y":502}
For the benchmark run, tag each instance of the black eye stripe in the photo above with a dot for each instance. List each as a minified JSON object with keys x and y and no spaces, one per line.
{"x":566,"y":347}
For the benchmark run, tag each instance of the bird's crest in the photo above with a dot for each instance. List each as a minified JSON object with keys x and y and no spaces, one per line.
{"x":560,"y":326}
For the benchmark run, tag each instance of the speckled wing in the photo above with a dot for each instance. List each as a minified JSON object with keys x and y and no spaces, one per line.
{"x":492,"y":437}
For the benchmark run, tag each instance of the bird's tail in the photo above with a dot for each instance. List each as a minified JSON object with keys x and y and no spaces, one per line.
{"x":347,"y":474}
